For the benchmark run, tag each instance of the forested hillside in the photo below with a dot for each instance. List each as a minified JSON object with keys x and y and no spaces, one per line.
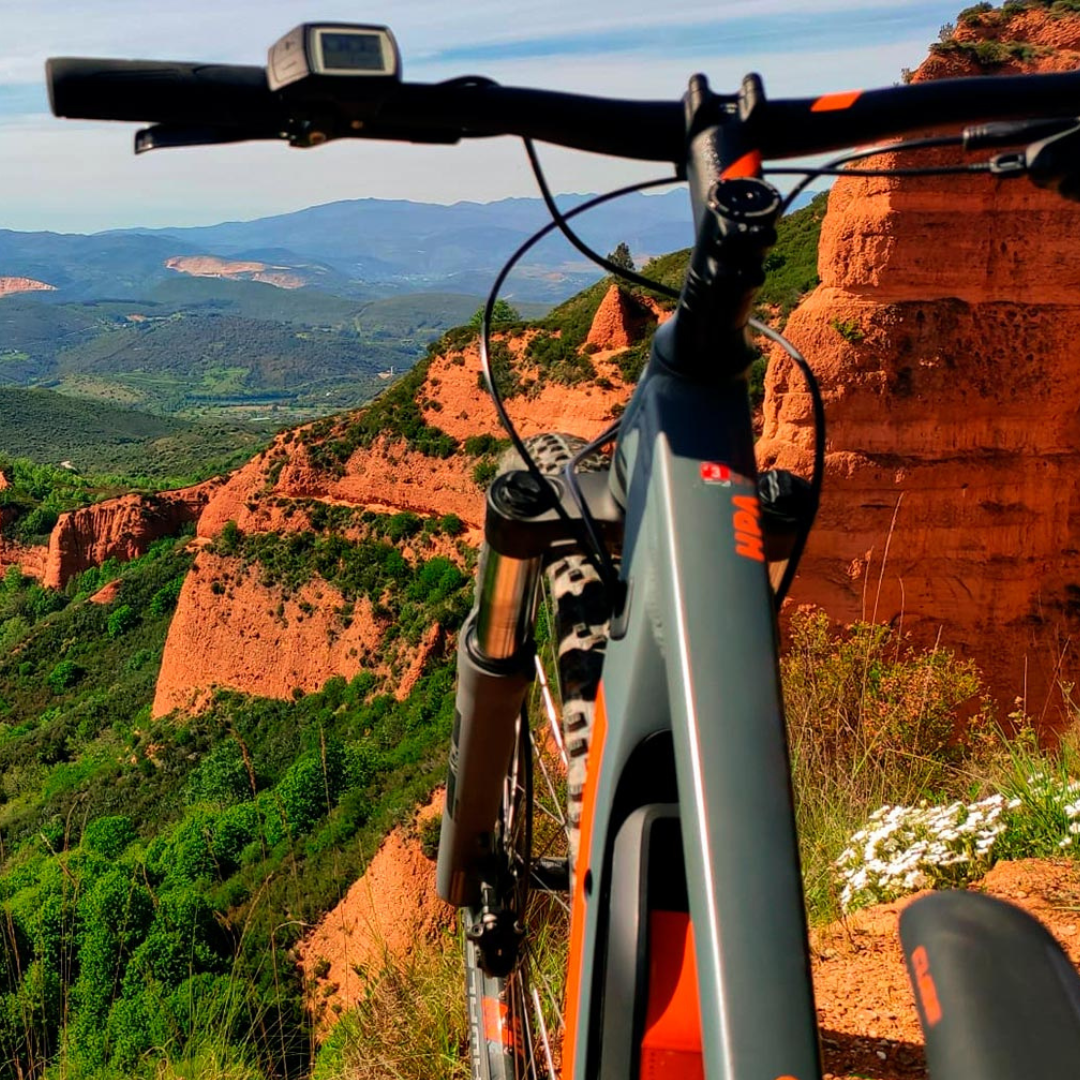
{"x":203,"y":346}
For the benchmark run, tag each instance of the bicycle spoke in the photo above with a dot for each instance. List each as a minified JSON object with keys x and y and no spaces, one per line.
{"x":544,"y":1041}
{"x":556,"y":802}
{"x":549,"y":708}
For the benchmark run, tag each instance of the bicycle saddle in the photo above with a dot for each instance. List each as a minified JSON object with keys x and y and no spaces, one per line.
{"x":997,"y":997}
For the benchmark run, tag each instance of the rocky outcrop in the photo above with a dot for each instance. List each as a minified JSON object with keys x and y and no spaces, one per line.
{"x":231,"y":631}
{"x":284,"y":277}
{"x":10,"y":285}
{"x":386,"y":916}
{"x":944,"y":337}
{"x":31,"y":560}
{"x":389,"y":476}
{"x":107,"y":593}
{"x":619,"y":322}
{"x":120,"y":529}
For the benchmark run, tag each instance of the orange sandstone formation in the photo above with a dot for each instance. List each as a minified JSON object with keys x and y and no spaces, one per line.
{"x":283,"y":277}
{"x":225,"y":632}
{"x":121,"y":529}
{"x":619,"y":322}
{"x":944,"y":334}
{"x":231,"y":630}
{"x":386,"y":916}
{"x":30,"y":560}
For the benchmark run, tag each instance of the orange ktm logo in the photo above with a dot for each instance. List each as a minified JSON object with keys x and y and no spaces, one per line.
{"x":924,"y":985}
{"x":747,"y":522}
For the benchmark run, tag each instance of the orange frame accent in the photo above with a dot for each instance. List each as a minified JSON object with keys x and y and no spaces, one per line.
{"x":748,"y":165}
{"x":835,"y":102}
{"x":925,"y":986}
{"x":671,"y":1045}
{"x":575,"y":967}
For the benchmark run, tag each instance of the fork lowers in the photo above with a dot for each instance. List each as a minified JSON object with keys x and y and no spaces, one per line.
{"x":736,"y":232}
{"x":495,"y":667}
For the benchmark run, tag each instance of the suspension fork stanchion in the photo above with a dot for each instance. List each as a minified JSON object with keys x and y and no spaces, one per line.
{"x":495,"y":667}
{"x":527,"y":521}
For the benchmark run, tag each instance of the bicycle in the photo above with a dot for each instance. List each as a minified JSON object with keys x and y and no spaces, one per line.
{"x":688,"y":951}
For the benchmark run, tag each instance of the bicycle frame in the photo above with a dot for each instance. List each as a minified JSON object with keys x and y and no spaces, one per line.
{"x":691,"y":685}
{"x":688,"y":803}
{"x":695,"y":656}
{"x":698,"y":661}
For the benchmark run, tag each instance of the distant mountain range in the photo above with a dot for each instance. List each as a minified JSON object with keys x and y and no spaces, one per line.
{"x":282,"y":318}
{"x":361,"y":249}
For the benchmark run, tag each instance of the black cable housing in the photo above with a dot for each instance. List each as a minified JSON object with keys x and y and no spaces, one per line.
{"x":604,"y":566}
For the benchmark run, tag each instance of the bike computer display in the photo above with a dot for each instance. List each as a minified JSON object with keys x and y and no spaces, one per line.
{"x":332,"y":50}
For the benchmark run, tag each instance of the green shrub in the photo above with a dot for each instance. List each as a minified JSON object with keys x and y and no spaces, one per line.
{"x":233,"y":830}
{"x":39,"y":523}
{"x":971,"y":14}
{"x":121,"y":620}
{"x":222,"y":778}
{"x":848,"y":329}
{"x":229,"y":539}
{"x":402,"y":526}
{"x":477,"y":445}
{"x":484,"y":472}
{"x":64,"y":675}
{"x":430,"y":832}
{"x":559,"y":359}
{"x":310,"y":788}
{"x":109,"y":836}
{"x":41,"y":602}
{"x":507,"y":380}
{"x":164,"y":600}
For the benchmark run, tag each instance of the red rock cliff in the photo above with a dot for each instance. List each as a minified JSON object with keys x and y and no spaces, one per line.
{"x":120,"y":529}
{"x":944,"y":334}
{"x":239,"y":638}
{"x":11,"y":285}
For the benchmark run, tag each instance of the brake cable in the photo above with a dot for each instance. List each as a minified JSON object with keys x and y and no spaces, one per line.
{"x":818,"y":471}
{"x":605,"y":567}
{"x":559,"y":219}
{"x":817,"y":475}
{"x":810,"y":174}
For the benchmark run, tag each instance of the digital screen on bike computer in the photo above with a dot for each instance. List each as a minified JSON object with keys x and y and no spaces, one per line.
{"x":348,"y":51}
{"x":314,"y":51}
{"x":351,"y":52}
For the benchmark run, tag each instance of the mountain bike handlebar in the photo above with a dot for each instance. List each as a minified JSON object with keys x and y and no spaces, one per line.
{"x":237,"y":101}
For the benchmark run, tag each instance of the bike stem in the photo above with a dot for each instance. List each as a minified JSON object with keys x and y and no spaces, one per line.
{"x":735,"y":214}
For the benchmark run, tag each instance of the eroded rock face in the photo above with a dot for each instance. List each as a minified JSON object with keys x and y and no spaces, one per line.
{"x":9,"y":285}
{"x":284,"y":277}
{"x":231,"y":630}
{"x":228,"y":630}
{"x":944,"y":335}
{"x":388,"y":915}
{"x":120,"y":529}
{"x":619,"y":321}
{"x":30,"y":560}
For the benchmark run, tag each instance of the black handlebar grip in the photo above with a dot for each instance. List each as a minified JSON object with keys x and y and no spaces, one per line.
{"x":162,"y":92}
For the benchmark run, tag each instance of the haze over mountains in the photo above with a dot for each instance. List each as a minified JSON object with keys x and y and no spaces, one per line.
{"x":364,"y":248}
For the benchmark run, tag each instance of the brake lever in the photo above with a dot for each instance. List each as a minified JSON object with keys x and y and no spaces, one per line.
{"x":170,"y":136}
{"x":1054,"y":163}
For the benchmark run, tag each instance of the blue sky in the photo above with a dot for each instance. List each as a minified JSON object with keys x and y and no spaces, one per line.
{"x":81,"y":177}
